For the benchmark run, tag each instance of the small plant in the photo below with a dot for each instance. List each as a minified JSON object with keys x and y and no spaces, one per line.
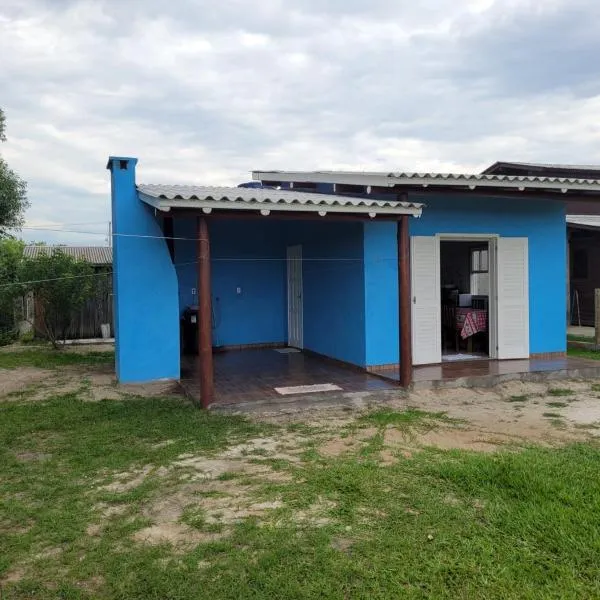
{"x":552,"y":415}
{"x":557,"y":404}
{"x":521,"y":398}
{"x":411,"y":416}
{"x":595,"y":387}
{"x":560,"y":392}
{"x":194,"y":517}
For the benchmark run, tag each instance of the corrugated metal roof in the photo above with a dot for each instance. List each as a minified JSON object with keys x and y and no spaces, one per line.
{"x":588,"y":221}
{"x":96,"y":255}
{"x":390,"y":179}
{"x":534,"y":165}
{"x":165,"y":197}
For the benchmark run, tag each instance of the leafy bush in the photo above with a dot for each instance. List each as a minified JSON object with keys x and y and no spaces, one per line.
{"x":60,"y":285}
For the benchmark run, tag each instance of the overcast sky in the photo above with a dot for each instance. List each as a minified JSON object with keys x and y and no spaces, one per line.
{"x":204,"y":91}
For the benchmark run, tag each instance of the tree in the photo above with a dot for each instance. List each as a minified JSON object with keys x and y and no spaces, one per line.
{"x":13,"y":191}
{"x":11,"y":253}
{"x":61,"y":285}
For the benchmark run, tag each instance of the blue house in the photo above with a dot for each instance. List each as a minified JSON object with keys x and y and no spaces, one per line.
{"x":383,"y":272}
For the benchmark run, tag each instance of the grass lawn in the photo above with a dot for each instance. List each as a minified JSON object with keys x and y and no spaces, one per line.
{"x":579,"y":338}
{"x":429,"y":524}
{"x":46,"y":357}
{"x":583,"y":353}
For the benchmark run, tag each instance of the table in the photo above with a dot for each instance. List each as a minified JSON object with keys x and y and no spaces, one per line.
{"x":470,"y":321}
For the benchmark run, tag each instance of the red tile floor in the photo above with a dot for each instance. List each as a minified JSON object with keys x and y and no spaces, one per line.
{"x":448,"y":371}
{"x":253,"y":375}
{"x":250,"y":375}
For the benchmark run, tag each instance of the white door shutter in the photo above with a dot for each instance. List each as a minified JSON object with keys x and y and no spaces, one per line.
{"x":426,"y":308}
{"x":513,"y":298}
{"x":295,"y":300}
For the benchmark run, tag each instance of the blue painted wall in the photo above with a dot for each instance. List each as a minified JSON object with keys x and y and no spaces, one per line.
{"x":333,"y":281}
{"x":543,"y":222}
{"x":249,"y":255}
{"x":144,"y":285}
{"x":381,"y":293}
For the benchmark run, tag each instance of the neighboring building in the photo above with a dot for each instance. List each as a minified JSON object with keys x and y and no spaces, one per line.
{"x":583,"y":230}
{"x":99,"y":257}
{"x":584,"y":267}
{"x":97,"y":311}
{"x":320,"y":261}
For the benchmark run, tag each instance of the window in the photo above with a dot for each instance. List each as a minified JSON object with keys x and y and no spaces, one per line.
{"x":480,"y":278}
{"x":580,"y":264}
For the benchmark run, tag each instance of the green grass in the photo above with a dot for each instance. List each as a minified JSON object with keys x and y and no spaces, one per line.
{"x":552,"y":415}
{"x":557,"y":404}
{"x":560,"y":392}
{"x":48,"y":358}
{"x":520,"y":398}
{"x":580,"y":338}
{"x":438,"y":525}
{"x":411,"y":417}
{"x":583,"y":353}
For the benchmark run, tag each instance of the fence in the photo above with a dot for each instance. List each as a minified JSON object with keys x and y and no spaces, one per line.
{"x":85,"y":324}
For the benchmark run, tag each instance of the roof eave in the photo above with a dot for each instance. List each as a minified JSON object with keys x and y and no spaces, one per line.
{"x":462,"y":181}
{"x":208,"y":205}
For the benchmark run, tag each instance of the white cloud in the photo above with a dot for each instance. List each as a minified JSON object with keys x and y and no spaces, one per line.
{"x":206,"y":91}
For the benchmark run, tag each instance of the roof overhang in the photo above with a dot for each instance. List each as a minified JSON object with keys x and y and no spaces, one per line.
{"x":590,"y":222}
{"x":543,"y":170}
{"x":459,"y":181}
{"x":265,"y":201}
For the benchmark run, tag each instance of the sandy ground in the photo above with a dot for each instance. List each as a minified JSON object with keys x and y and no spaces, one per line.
{"x":92,"y":383}
{"x":224,"y":485}
{"x":513,"y":411}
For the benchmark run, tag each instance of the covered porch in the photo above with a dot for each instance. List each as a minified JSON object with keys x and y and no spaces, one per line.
{"x":303,"y":293}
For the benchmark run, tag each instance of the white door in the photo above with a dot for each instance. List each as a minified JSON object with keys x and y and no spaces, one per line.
{"x":493,"y":297}
{"x":294,"y":294}
{"x":513,"y":298}
{"x":426,"y":309}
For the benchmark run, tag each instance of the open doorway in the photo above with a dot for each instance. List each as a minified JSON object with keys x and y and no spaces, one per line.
{"x":465,"y":299}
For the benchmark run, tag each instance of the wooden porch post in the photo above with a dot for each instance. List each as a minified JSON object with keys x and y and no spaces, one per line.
{"x":205,"y":358}
{"x":404,"y":302}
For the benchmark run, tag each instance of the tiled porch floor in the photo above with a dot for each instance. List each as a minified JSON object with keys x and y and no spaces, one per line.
{"x":467,"y":369}
{"x":253,"y":375}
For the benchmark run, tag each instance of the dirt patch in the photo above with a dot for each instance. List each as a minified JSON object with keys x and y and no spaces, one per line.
{"x":178,"y":535}
{"x":92,"y":584}
{"x":339,"y":446}
{"x":91,"y":382}
{"x":148,"y":390}
{"x":51,"y":552}
{"x":19,"y":380}
{"x":32,"y":456}
{"x":13,"y":576}
{"x":342,"y":544}
{"x":451,"y":439}
{"x":350,"y":443}
{"x":316,"y":514}
{"x":584,"y":412}
{"x":111,"y":510}
{"x":127,"y":480}
{"x":93,"y":530}
{"x":286,"y":447}
{"x":88,"y":348}
{"x":387,"y":458}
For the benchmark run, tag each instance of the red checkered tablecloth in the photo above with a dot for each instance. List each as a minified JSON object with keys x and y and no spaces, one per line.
{"x":470,"y":321}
